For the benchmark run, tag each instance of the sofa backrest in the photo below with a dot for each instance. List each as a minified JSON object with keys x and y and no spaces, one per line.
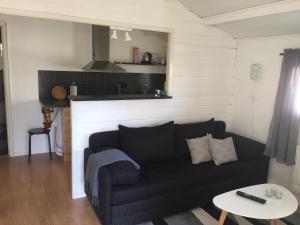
{"x":104,"y":139}
{"x":193,"y":130}
{"x":220,"y":126}
{"x":147,"y":145}
{"x":181,"y":132}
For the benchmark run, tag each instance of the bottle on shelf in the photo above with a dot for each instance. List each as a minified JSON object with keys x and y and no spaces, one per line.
{"x":135,"y":55}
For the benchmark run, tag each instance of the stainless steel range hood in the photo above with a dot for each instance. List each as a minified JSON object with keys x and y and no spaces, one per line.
{"x":100,"y":58}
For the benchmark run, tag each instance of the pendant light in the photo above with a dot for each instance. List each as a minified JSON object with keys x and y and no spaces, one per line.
{"x":114,"y":35}
{"x":127,"y":36}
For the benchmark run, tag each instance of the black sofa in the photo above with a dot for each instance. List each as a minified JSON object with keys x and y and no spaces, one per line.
{"x":170,"y":186}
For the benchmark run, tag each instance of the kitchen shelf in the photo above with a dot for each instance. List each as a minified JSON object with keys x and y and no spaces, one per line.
{"x":138,"y":64}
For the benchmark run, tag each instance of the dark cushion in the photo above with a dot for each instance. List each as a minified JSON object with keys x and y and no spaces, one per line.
{"x":219,"y":126}
{"x":159,"y":179}
{"x":246,"y":149}
{"x":189,"y":131}
{"x":123,"y":172}
{"x":104,"y":139}
{"x":148,"y":144}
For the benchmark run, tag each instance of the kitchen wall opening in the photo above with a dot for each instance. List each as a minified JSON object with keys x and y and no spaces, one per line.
{"x":3,"y":130}
{"x":95,"y":60}
{"x":145,"y":51}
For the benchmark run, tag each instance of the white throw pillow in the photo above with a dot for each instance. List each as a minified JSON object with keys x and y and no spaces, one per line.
{"x":199,"y":148}
{"x":222,"y":150}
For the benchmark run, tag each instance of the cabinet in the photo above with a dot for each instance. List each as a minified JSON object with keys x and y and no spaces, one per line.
{"x":67,"y":135}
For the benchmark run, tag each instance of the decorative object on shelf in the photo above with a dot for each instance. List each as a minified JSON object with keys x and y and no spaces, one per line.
{"x":47,"y":116}
{"x":155,"y":58}
{"x":163,"y":93}
{"x":157,"y":93}
{"x":135,"y":55}
{"x":59,"y":92}
{"x":144,"y":89}
{"x":126,"y":30}
{"x":120,"y":87}
{"x":162,"y":61}
{"x":163,"y":53}
{"x":73,"y":89}
{"x":147,"y":58}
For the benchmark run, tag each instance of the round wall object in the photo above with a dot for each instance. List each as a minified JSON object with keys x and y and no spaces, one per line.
{"x":59,"y":92}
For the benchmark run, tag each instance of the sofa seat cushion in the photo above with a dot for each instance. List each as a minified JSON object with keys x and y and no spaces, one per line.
{"x":159,"y":179}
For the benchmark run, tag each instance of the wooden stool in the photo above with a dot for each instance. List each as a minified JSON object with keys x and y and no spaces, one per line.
{"x":37,"y":131}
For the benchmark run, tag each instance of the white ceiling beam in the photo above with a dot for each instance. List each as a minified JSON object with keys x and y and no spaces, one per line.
{"x":253,"y":12}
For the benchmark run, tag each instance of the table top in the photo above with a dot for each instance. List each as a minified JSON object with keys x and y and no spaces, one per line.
{"x":272,"y":209}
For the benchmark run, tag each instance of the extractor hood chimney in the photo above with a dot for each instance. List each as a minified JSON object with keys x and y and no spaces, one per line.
{"x":100,"y":46}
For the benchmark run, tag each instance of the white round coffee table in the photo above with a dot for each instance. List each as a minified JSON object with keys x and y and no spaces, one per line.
{"x":273,"y":209}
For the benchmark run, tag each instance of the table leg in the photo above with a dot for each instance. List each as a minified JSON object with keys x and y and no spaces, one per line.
{"x":222,"y":217}
{"x":275,"y":222}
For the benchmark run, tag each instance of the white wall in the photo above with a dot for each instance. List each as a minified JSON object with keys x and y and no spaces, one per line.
{"x":254,"y":101}
{"x":35,"y":44}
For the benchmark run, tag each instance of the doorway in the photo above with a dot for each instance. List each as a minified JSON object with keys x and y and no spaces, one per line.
{"x":3,"y":127}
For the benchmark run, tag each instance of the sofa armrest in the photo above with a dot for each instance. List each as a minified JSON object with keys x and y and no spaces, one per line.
{"x":105,"y":189}
{"x":123,"y":172}
{"x":105,"y":186}
{"x":246,"y":148}
{"x":87,"y":153}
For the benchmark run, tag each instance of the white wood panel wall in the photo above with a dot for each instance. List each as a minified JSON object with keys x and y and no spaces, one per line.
{"x":201,"y":67}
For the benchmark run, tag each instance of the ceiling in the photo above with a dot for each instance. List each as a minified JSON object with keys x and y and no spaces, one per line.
{"x":205,"y":8}
{"x":249,"y":18}
{"x":272,"y":25}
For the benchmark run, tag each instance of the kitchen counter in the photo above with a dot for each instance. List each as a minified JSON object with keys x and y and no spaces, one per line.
{"x":50,"y":102}
{"x":115,"y":97}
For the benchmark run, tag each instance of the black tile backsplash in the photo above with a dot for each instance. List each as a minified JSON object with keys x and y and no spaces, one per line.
{"x":99,"y":83}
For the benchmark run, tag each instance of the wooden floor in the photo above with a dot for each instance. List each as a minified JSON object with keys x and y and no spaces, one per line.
{"x":39,"y":193}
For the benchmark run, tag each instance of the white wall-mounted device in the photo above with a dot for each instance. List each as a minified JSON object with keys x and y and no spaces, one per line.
{"x":256,"y":71}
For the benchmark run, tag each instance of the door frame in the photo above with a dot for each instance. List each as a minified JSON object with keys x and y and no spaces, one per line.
{"x":7,"y":88}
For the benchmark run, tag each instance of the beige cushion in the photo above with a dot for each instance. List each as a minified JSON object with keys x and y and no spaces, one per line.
{"x":199,"y":148}
{"x":222,"y":151}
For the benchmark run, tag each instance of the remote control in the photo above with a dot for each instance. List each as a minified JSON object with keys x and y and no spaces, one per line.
{"x":251,"y":197}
